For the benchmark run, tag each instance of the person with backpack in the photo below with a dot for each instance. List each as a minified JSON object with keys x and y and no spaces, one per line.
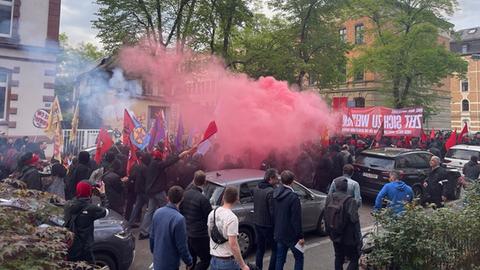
{"x":223,"y":231}
{"x":288,"y":232}
{"x":343,"y":225}
{"x":79,"y":215}
{"x":397,"y":193}
{"x":353,"y":186}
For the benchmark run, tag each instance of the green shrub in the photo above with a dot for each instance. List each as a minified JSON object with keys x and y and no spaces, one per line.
{"x":447,"y":238}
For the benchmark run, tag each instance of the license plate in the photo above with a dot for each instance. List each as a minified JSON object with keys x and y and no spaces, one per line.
{"x":370,"y":175}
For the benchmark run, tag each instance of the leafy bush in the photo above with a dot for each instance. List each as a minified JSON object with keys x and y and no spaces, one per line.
{"x":447,"y":238}
{"x":23,"y":243}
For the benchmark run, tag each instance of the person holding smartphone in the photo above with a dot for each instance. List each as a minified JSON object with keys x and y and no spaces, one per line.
{"x":79,"y":215}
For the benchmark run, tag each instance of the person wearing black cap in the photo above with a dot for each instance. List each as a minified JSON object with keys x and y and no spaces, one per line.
{"x":79,"y":216}
{"x":81,"y":172}
{"x":28,"y":171}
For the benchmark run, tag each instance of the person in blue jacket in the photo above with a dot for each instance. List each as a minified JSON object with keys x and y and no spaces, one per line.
{"x":168,"y":236}
{"x":397,"y":194}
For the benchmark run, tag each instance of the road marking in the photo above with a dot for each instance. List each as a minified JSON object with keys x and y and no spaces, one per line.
{"x":322,"y":242}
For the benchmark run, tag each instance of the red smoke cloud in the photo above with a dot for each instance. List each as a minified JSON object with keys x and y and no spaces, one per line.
{"x":254,"y":116}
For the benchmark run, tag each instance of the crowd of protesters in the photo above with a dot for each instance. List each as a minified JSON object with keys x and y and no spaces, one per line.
{"x":159,"y":177}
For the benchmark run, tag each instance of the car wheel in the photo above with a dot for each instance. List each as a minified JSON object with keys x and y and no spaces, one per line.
{"x":321,"y":229}
{"x":105,"y":261}
{"x":245,"y":240}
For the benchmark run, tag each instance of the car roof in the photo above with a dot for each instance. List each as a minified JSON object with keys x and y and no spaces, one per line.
{"x":234,"y":176}
{"x":467,"y":147}
{"x":390,"y":152}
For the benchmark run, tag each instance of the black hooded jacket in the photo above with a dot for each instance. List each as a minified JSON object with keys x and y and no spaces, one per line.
{"x":263,"y":205}
{"x":287,"y":216}
{"x":81,"y":172}
{"x":156,"y":175}
{"x":31,"y":177}
{"x":79,"y":215}
{"x":195,"y":208}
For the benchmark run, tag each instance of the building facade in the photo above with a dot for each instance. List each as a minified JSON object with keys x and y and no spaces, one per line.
{"x":363,"y":89}
{"x":29,"y":32}
{"x":465,"y":105}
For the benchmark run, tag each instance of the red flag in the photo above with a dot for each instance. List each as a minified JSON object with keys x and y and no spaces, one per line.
{"x":380,"y":132}
{"x":423,"y":138}
{"x":339,"y":103}
{"x":452,"y":140}
{"x":104,"y":142}
{"x":432,"y":134}
{"x":211,"y":130}
{"x":463,"y":132}
{"x":128,"y":127}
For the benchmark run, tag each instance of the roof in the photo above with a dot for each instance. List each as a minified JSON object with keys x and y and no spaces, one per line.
{"x":234,"y":176}
{"x":390,"y":152}
{"x":466,"y":147}
{"x":469,"y":34}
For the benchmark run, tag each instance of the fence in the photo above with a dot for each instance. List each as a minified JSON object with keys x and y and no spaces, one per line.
{"x":85,"y":138}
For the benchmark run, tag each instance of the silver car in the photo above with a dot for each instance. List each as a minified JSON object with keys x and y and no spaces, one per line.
{"x":313,"y":202}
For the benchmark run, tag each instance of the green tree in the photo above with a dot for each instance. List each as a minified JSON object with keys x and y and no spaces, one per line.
{"x":312,"y":27}
{"x":206,"y":25}
{"x":406,"y":51}
{"x":73,"y":61}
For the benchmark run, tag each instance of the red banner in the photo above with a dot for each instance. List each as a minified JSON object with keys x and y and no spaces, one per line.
{"x":397,"y":122}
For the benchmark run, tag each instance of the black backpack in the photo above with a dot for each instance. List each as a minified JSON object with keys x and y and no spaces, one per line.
{"x":215,"y":234}
{"x":335,"y":219}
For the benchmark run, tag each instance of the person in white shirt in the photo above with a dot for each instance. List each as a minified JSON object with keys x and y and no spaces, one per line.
{"x":226,"y":256}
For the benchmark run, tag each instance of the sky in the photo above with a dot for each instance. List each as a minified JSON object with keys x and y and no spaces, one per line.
{"x":76,"y":17}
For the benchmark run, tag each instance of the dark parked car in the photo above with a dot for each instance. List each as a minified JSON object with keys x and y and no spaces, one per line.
{"x":372,"y":169}
{"x":312,"y":201}
{"x":114,"y":244}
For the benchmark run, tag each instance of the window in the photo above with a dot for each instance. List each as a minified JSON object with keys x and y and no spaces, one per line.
{"x":359,"y":34}
{"x":301,"y":192}
{"x":461,"y":154}
{"x":359,"y":102}
{"x":343,"y":34}
{"x":246,"y":191}
{"x":6,"y":13}
{"x":465,"y":105}
{"x":464,"y":86}
{"x":3,"y":94}
{"x":465,"y":48}
{"x":359,"y":76}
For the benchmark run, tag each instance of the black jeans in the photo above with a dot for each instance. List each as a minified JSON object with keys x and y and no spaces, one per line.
{"x":200,"y":247}
{"x":352,"y":252}
{"x":264,"y":239}
{"x":140,"y":201}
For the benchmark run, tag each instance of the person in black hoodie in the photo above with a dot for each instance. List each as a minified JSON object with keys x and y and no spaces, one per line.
{"x":471,"y":169}
{"x":263,"y":217}
{"x":156,"y":186}
{"x":195,"y":208}
{"x":80,"y":172}
{"x":114,"y":187}
{"x":28,"y":171}
{"x":139,"y":187}
{"x":347,"y":241}
{"x":288,"y":231}
{"x":79,"y":215}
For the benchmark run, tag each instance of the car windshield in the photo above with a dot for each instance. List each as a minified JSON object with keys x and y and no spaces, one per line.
{"x":213,"y":192}
{"x":375,"y":162}
{"x":463,"y":154}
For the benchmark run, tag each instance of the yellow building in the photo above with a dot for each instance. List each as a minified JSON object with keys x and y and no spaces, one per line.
{"x":465,"y":105}
{"x":362,"y":89}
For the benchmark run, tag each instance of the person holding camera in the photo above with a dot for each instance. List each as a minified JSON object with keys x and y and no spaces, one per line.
{"x":223,"y":230}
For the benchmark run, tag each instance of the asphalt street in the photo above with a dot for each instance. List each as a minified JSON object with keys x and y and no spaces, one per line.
{"x":318,"y":252}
